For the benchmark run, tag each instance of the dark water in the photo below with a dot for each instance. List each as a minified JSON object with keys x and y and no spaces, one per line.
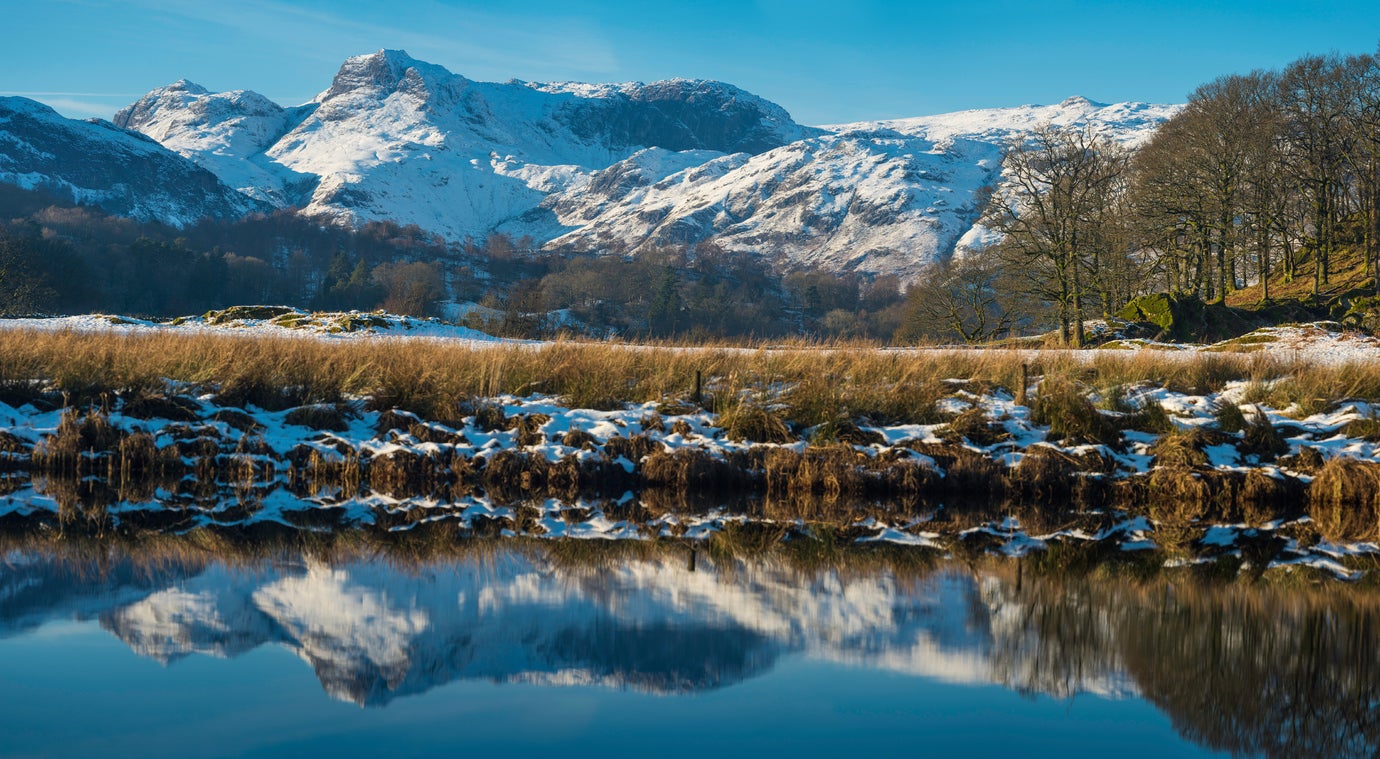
{"x":520,"y":652}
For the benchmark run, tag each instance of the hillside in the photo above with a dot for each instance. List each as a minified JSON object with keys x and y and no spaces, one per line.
{"x":616,"y":167}
{"x":96,"y":163}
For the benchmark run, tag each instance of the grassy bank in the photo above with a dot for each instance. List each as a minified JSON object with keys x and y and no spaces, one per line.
{"x":175,"y":431}
{"x":808,"y":383}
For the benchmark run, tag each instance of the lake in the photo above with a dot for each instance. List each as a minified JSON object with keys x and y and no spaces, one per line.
{"x":517,"y":649}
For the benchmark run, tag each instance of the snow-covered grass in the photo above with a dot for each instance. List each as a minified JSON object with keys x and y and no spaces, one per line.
{"x":261,"y":321}
{"x":540,"y":439}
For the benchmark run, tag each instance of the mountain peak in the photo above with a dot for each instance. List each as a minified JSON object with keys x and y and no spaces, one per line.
{"x":187,"y":86}
{"x":385,"y":71}
{"x":1078,"y":101}
{"x":20,"y":104}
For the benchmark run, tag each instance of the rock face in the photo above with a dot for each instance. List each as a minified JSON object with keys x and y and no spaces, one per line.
{"x":95,"y":162}
{"x":611,"y":167}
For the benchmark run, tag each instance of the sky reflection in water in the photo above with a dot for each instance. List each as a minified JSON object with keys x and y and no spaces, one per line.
{"x":520,"y":653}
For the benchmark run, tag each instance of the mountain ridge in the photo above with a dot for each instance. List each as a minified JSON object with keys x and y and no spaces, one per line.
{"x":613,"y":168}
{"x":96,"y":162}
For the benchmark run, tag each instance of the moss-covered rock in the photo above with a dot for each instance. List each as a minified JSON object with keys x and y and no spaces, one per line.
{"x":1362,"y":312}
{"x":242,"y":313}
{"x":1158,"y":309}
{"x":1186,"y":319}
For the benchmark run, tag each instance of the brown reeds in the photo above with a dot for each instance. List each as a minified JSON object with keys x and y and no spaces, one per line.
{"x":1344,"y":500}
{"x":435,"y":379}
{"x":428,"y":388}
{"x":1071,"y":417}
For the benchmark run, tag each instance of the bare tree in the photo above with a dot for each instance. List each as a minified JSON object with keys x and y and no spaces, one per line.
{"x":1051,"y":209}
{"x":968,"y":298}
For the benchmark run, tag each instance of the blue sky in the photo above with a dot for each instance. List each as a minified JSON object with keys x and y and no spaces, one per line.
{"x":826,"y":62}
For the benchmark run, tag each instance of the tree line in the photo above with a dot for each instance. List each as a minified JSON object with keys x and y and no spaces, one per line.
{"x":1261,"y":175}
{"x":61,"y":258}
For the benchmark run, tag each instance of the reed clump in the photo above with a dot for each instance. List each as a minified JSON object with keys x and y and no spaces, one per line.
{"x":1186,"y":447}
{"x":1071,"y":417}
{"x":1048,"y":474}
{"x":692,"y":470}
{"x":841,"y":429}
{"x":1366,"y":429}
{"x":1261,"y":439}
{"x":1344,"y":500}
{"x":973,"y":426}
{"x":321,"y":416}
{"x":754,"y":422}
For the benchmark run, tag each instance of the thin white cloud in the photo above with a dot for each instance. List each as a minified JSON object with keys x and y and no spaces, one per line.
{"x":74,"y":108}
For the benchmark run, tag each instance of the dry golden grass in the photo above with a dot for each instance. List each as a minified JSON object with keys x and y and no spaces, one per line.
{"x":1344,"y":500}
{"x":794,"y":387}
{"x":812,"y":383}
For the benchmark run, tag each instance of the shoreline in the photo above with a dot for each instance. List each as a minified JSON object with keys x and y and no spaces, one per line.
{"x":102,"y":433}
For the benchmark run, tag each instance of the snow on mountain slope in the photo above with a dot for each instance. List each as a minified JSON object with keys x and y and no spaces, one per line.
{"x":882,"y":197}
{"x":613,"y":167}
{"x":223,"y":132}
{"x":1128,"y":123}
{"x":872,"y":200}
{"x":95,"y":162}
{"x":399,"y":139}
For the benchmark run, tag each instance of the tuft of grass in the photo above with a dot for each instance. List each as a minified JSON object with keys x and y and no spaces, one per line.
{"x":1344,"y":500}
{"x":529,"y":429}
{"x":1071,"y":417}
{"x":153,"y":405}
{"x":1229,"y":417}
{"x":577,"y":438}
{"x":1150,"y":417}
{"x":1186,"y":447}
{"x":755,"y":423}
{"x":1262,"y":439}
{"x":1366,"y":429}
{"x":334,"y":418}
{"x":489,"y":417}
{"x":973,"y":426}
{"x":844,"y":430}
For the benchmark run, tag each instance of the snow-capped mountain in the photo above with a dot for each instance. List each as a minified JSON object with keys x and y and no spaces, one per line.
{"x":225,"y":133}
{"x":94,"y":162}
{"x":399,"y":139}
{"x":616,"y":167}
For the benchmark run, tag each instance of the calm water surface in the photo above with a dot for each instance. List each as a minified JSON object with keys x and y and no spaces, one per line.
{"x":519,"y":652}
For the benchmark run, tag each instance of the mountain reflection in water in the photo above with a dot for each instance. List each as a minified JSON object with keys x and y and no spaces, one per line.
{"x":1248,"y":670}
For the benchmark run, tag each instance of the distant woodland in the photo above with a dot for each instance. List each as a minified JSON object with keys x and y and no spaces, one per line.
{"x":56,"y":258}
{"x":1263,"y":180}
